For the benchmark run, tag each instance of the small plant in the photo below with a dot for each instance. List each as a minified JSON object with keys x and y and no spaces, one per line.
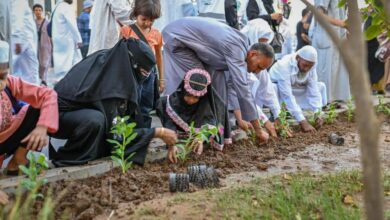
{"x":283,"y":127}
{"x":381,"y":107}
{"x":32,"y":171}
{"x":194,"y":135}
{"x":331,"y":115}
{"x":123,"y":135}
{"x":314,"y":118}
{"x":350,"y":109}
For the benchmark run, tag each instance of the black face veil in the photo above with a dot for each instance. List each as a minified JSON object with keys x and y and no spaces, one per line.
{"x":108,"y":74}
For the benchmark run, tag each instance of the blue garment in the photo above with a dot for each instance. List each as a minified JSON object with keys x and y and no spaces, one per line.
{"x":147,"y":97}
{"x":83,"y":25}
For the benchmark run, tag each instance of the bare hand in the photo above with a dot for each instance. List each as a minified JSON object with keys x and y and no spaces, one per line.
{"x":167,"y":135}
{"x":18,"y":48}
{"x":79,"y":45}
{"x":276,"y":16}
{"x":162,"y":86}
{"x":244,"y":125}
{"x":306,"y":126}
{"x":270,"y":128}
{"x":319,"y":123}
{"x":3,"y":198}
{"x":198,"y":149}
{"x":277,"y":124}
{"x":172,"y":151}
{"x":37,"y":139}
{"x":262,"y":136}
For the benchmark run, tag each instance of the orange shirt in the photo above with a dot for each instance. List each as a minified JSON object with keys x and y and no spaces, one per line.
{"x":41,"y":98}
{"x":154,"y":37}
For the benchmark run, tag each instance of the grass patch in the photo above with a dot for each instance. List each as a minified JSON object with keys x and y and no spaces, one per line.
{"x":300,"y":196}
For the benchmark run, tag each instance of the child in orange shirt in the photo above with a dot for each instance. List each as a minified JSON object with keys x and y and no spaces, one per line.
{"x":145,"y":12}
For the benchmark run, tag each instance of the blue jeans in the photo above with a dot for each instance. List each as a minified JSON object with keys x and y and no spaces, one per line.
{"x":147,"y":98}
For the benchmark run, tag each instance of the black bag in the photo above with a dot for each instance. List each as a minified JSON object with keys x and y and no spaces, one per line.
{"x":277,"y":42}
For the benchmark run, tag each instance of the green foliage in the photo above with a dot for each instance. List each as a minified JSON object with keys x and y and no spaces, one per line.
{"x":187,"y":145}
{"x":350,"y":109}
{"x":382,"y":107}
{"x":314,"y":118}
{"x":125,"y":133}
{"x":283,"y":127}
{"x":331,"y":114}
{"x":36,"y":166}
{"x":379,"y":23}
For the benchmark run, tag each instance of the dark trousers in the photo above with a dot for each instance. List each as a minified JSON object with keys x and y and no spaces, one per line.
{"x":148,"y":98}
{"x":84,"y":50}
{"x":231,"y":13}
{"x":14,"y":141}
{"x":84,"y":130}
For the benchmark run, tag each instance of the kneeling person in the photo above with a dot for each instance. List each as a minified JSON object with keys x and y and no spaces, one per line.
{"x":27,"y":114}
{"x":298,"y":86}
{"x":98,"y":89}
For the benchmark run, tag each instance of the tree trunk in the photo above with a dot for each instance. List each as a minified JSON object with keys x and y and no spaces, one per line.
{"x":353,"y":52}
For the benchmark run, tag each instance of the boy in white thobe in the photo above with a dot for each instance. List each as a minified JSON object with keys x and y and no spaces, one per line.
{"x":298,"y":86}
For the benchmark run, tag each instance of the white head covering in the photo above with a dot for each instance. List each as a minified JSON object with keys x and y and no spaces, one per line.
{"x":256,"y":29}
{"x":308,"y":53}
{"x":87,"y":4}
{"x":4,"y":52}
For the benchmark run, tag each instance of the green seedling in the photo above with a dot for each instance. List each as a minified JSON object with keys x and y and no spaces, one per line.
{"x":124,"y":133}
{"x":350,"y":109}
{"x":186,"y":146}
{"x":381,"y":107}
{"x":283,"y":127}
{"x":32,"y":171}
{"x":314,"y":118}
{"x":331,"y":115}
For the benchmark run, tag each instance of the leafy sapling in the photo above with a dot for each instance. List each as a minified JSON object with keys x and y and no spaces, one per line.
{"x":350,"y":109}
{"x":186,"y":146}
{"x":283,"y":127}
{"x":313,"y":120}
{"x":331,"y":115}
{"x":381,"y":107}
{"x":123,"y":133}
{"x":32,"y":171}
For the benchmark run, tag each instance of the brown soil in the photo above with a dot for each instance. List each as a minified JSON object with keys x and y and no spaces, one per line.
{"x":85,"y":199}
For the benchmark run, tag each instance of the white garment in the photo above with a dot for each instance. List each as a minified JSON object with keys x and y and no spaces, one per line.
{"x":24,"y":32}
{"x":256,"y":29}
{"x":331,"y":69}
{"x":211,"y":6}
{"x":287,"y":46}
{"x":66,"y":36}
{"x":241,"y":12}
{"x":286,"y":74}
{"x":265,"y":93}
{"x":173,"y":10}
{"x":105,"y":30}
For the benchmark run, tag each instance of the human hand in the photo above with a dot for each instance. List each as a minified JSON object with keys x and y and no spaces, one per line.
{"x":198,"y":149}
{"x":167,"y":135}
{"x":262,"y":136}
{"x":244,"y":125}
{"x":270,"y":128}
{"x":79,"y":45}
{"x":37,"y":139}
{"x":3,"y":198}
{"x":18,"y":48}
{"x":162,"y":86}
{"x":172,"y":152}
{"x":276,"y":16}
{"x":306,"y":126}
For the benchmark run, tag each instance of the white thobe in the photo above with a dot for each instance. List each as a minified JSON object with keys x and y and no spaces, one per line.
{"x":66,"y":36}
{"x":331,"y":69}
{"x":173,"y":10}
{"x":105,"y":30}
{"x":265,"y":93}
{"x":298,"y":93}
{"x":256,"y":29}
{"x":24,"y":32}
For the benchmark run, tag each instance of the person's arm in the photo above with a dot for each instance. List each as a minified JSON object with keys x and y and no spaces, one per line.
{"x":160,"y":63}
{"x":18,"y":33}
{"x":121,"y":10}
{"x":72,"y":24}
{"x":42,"y":98}
{"x":305,"y":38}
{"x":313,"y":92}
{"x":267,"y":95}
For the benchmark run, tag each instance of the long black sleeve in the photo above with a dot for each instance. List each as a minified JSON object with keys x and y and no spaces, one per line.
{"x":231,"y":13}
{"x":253,"y":11}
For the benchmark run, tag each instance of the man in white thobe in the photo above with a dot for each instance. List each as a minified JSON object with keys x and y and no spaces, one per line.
{"x":24,"y":41}
{"x":331,"y":69}
{"x":298,"y":86}
{"x":5,"y":25}
{"x":66,"y":39}
{"x":105,"y":18}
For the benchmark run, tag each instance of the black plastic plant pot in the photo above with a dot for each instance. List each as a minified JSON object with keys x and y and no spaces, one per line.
{"x":194,"y":170}
{"x":179,"y":182}
{"x":335,"y":139}
{"x":203,"y":176}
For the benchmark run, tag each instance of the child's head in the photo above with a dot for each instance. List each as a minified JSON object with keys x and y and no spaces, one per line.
{"x":4,"y":64}
{"x":196,"y":82}
{"x":145,"y":12}
{"x":305,"y":12}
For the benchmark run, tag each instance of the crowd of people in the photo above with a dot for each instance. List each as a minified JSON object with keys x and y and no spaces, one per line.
{"x":112,"y":61}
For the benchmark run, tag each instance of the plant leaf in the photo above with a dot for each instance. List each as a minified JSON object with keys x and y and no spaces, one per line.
{"x":372,"y":32}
